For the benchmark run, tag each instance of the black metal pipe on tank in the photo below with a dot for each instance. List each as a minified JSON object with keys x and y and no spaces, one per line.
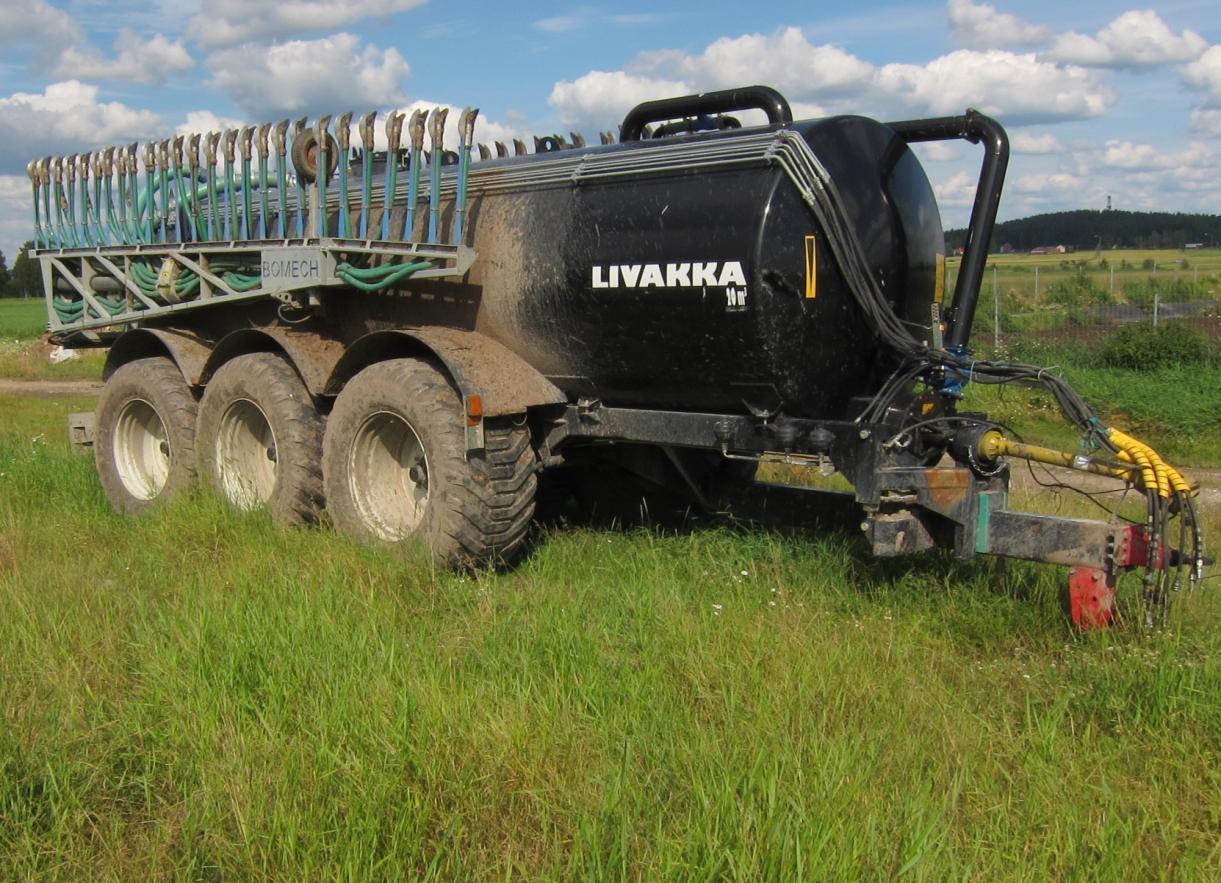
{"x":762,"y":98}
{"x":973,"y":126}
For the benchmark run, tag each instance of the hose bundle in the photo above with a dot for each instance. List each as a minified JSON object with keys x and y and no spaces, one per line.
{"x":1168,"y":494}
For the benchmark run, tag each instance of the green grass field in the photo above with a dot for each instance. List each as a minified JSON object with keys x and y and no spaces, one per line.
{"x":202,"y":695}
{"x":22,"y":318}
{"x":1083,"y":277}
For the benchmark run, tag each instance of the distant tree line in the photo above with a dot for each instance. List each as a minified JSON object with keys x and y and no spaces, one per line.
{"x":23,"y":279}
{"x":1085,"y":230}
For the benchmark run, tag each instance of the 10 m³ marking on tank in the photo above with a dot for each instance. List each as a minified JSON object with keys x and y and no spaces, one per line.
{"x":728,"y":275}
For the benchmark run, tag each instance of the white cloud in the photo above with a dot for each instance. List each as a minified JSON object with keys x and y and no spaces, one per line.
{"x":1206,"y":122}
{"x":1040,"y":182}
{"x":37,"y":24}
{"x":65,"y":117}
{"x":1205,"y":73}
{"x":1024,"y":142}
{"x":936,"y":151}
{"x":136,"y":60}
{"x":204,"y":121}
{"x":785,"y":60}
{"x":1133,"y":156}
{"x":559,"y":24}
{"x":602,"y":98}
{"x":587,"y":17}
{"x":1136,"y":39}
{"x":957,"y":190}
{"x":1128,"y":155}
{"x":980,"y":26}
{"x":1018,"y":87}
{"x":329,"y":74}
{"x":225,"y":22}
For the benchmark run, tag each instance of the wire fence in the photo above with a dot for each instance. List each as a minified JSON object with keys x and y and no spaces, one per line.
{"x":1027,"y":306}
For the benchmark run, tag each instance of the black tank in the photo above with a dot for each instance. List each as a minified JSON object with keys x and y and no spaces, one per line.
{"x":698,"y":289}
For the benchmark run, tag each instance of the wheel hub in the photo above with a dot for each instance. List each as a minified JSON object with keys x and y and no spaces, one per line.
{"x":141,"y":450}
{"x":246,"y":455}
{"x":388,"y":476}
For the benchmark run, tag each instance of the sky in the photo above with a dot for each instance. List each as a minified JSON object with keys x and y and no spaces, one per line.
{"x":1100,"y":98}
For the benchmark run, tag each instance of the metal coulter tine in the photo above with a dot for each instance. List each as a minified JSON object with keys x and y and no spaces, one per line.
{"x":210,"y":143}
{"x":366,"y":171}
{"x":148,"y":202}
{"x":136,"y":217}
{"x":343,"y":134}
{"x":466,"y":136}
{"x":230,"y":141}
{"x":264,"y":150}
{"x":107,"y":171}
{"x":31,"y":170}
{"x":484,"y":153}
{"x":322,"y":136}
{"x":436,"y":134}
{"x":87,"y":232}
{"x":415,"y":132}
{"x":163,"y":185}
{"x":281,"y":145}
{"x":578,"y":140}
{"x":44,"y":186}
{"x":198,"y":225}
{"x":302,"y":203}
{"x":519,"y":147}
{"x":184,"y":213}
{"x":96,"y":166}
{"x":68,"y":164}
{"x":244,"y":139}
{"x":394,"y":131}
{"x":501,"y":150}
{"x":121,"y":169}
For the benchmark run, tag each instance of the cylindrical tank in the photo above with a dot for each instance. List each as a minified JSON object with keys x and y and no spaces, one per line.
{"x":707,"y":288}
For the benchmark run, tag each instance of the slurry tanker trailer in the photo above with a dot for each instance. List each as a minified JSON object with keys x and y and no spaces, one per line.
{"x":405,"y":339}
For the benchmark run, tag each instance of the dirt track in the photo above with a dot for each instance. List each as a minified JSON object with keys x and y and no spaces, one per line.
{"x":50,"y":388}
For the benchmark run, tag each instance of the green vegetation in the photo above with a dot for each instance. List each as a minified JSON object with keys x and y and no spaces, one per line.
{"x":200,"y":694}
{"x":1085,"y":229}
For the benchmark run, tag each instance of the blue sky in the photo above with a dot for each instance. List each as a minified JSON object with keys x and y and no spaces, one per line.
{"x":1101,"y":98}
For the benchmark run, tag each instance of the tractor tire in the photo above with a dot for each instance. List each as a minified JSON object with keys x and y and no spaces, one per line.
{"x":260,"y":439}
{"x":144,"y":440}
{"x":397,"y":472}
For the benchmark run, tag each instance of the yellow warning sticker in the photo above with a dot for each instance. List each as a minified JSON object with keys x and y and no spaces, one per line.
{"x":811,"y":267}
{"x":939,"y":290}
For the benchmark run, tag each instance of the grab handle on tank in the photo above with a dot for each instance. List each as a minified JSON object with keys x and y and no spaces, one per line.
{"x":762,"y":98}
{"x":975,"y":127}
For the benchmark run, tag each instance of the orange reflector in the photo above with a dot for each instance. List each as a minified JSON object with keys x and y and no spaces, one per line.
{"x":474,"y":410}
{"x":811,"y":267}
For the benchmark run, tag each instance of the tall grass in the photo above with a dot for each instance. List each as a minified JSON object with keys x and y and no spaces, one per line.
{"x":200,"y":694}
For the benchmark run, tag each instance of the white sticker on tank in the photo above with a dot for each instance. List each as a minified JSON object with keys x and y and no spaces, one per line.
{"x":682,"y":274}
